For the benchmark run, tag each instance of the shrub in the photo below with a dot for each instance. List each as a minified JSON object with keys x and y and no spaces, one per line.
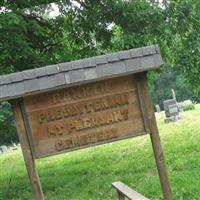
{"x":188,"y":107}
{"x":7,"y":129}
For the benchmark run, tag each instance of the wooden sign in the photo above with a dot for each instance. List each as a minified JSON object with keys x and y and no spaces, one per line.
{"x":73,"y":105}
{"x":85,"y":115}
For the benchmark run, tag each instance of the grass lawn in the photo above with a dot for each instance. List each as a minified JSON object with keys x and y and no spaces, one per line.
{"x":87,"y":174}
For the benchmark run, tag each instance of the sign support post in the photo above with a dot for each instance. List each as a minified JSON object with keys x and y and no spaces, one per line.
{"x":28,"y":157}
{"x":154,"y":134}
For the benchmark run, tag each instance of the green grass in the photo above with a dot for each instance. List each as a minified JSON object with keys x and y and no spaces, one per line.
{"x":88,"y":174}
{"x":188,"y":107}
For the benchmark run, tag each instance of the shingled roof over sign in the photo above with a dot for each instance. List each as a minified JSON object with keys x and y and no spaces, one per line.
{"x":78,"y":72}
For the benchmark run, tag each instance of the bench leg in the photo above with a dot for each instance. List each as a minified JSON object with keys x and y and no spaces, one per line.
{"x":120,"y":196}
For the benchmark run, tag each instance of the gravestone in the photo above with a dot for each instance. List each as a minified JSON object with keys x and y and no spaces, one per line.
{"x":69,"y":106}
{"x":186,"y":102}
{"x":180,"y":107}
{"x":14,"y":147}
{"x":173,"y":94}
{"x":171,"y":110}
{"x":3,"y":149}
{"x":157,"y":108}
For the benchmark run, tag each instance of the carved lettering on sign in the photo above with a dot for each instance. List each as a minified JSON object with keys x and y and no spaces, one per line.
{"x":82,"y":108}
{"x":103,"y":119}
{"x":79,"y":92}
{"x":55,"y":131}
{"x":80,"y":140}
{"x":87,"y":123}
{"x":75,"y":117}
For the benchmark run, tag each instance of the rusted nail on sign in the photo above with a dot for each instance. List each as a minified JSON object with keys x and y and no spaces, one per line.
{"x":74,"y":105}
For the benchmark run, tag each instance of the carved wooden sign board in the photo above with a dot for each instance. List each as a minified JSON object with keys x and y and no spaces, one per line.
{"x":74,"y":105}
{"x":76,"y":117}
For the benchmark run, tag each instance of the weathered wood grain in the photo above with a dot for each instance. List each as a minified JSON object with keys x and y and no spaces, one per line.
{"x":154,"y":134}
{"x":28,"y":156}
{"x":126,"y":192}
{"x":77,"y":117}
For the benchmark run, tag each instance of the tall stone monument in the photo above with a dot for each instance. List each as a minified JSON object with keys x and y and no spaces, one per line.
{"x":171,"y":107}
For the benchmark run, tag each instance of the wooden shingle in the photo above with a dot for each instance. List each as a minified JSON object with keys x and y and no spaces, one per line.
{"x":63,"y":67}
{"x":123,"y":55}
{"x":77,"y":64}
{"x":76,"y":75}
{"x":89,"y":62}
{"x":31,"y":85}
{"x":29,"y":74}
{"x":136,"y":52}
{"x":81,"y":71}
{"x":101,"y":60}
{"x":4,"y":79}
{"x":16,"y":77}
{"x":52,"y":69}
{"x":113,"y":57}
{"x":90,"y":73}
{"x":149,"y":50}
{"x":40,"y":72}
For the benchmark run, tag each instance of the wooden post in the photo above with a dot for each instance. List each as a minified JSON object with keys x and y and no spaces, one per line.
{"x":154,"y":134}
{"x":120,"y":196}
{"x":28,"y":157}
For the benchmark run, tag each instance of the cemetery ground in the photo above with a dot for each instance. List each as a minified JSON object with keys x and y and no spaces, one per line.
{"x":87,"y":174}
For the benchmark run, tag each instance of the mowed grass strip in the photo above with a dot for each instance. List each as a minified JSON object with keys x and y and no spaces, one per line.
{"x":87,"y":174}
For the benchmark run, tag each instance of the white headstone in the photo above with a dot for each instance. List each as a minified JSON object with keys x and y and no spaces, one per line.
{"x":3,"y":149}
{"x":14,"y":147}
{"x":157,"y":108}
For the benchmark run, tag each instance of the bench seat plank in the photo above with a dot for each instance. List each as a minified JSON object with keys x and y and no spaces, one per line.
{"x":128,"y":192}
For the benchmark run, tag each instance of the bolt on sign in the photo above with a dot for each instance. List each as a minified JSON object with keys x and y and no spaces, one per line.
{"x":69,"y":106}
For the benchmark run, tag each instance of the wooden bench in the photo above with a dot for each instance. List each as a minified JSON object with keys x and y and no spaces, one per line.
{"x":126,"y":192}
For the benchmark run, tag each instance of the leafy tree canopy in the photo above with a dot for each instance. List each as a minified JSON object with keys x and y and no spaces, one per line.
{"x":29,"y":38}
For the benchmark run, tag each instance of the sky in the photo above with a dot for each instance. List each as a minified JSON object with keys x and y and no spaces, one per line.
{"x":55,"y":10}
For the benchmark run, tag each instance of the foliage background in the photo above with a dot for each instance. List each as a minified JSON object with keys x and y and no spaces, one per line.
{"x":30,"y":38}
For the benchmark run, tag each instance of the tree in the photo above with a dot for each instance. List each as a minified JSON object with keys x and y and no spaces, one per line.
{"x":183,"y":18}
{"x":7,"y":130}
{"x":174,"y":25}
{"x":27,"y":40}
{"x":161,"y":85}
